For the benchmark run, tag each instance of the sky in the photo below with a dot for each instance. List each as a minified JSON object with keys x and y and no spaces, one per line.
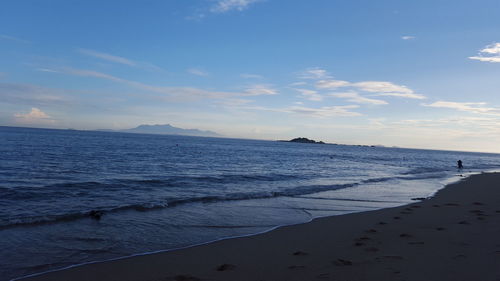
{"x":420,"y":74}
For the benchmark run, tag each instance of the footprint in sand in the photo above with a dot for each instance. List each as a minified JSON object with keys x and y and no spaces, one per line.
{"x":461,"y":256}
{"x":186,"y":278}
{"x":300,"y":253}
{"x":452,"y":204}
{"x":384,"y":223}
{"x":323,"y":276}
{"x":436,"y":206}
{"x":363,"y":238}
{"x":371,"y":231}
{"x":416,"y":243}
{"x":477,"y":203}
{"x":396,"y":218}
{"x":225,"y":267}
{"x":440,"y":228}
{"x":342,"y":262}
{"x":405,"y":235}
{"x":296,"y":267}
{"x":392,"y":257}
{"x":371,"y":249}
{"x":464,"y":222}
{"x":415,"y":206}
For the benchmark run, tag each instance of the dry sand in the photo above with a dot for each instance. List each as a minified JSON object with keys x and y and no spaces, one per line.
{"x":453,"y":236}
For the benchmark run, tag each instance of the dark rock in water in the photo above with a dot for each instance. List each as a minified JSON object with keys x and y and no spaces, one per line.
{"x":96,"y":214}
{"x":305,"y":140}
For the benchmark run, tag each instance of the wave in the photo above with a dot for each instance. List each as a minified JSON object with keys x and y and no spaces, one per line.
{"x":173,"y":202}
{"x":47,"y":219}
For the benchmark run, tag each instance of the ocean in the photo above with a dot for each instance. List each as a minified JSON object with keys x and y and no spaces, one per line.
{"x":159,"y":192}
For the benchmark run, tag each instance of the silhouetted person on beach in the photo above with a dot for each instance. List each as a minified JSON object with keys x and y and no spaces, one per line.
{"x":459,"y":164}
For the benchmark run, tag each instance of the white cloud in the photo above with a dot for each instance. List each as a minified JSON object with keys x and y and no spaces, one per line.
{"x":197,"y":71}
{"x":492,"y":49}
{"x":486,"y":59}
{"x":120,"y":60}
{"x":490,"y":53}
{"x":356,"y":98}
{"x":12,"y":38}
{"x":473,"y":107}
{"x":381,"y":87}
{"x":35,"y":116}
{"x":47,"y":70}
{"x":315,"y":73}
{"x":251,"y":76}
{"x":331,"y":84}
{"x":407,"y":37}
{"x":32,"y":95}
{"x":223,"y":6}
{"x":234,"y":102}
{"x":310,"y":94}
{"x":402,"y":95}
{"x":324,"y":112}
{"x":107,"y":57}
{"x":180,"y":93}
{"x":298,"y":84}
{"x":258,"y":90}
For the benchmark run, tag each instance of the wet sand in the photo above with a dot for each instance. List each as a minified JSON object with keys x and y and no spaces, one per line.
{"x":453,"y":236}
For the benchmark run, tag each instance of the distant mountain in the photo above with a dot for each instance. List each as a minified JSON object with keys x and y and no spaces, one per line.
{"x":167,"y":129}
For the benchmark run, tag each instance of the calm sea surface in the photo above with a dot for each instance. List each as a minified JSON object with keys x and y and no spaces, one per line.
{"x":164,"y":192}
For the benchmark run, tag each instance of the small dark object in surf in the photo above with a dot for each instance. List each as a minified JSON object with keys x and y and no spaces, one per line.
{"x":343,"y":262}
{"x":419,"y":199}
{"x":96,"y":214}
{"x":224,"y":267}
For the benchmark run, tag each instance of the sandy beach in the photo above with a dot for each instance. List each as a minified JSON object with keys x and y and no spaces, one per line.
{"x":453,"y":236}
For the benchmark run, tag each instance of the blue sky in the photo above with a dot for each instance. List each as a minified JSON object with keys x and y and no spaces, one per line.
{"x":422,"y":74}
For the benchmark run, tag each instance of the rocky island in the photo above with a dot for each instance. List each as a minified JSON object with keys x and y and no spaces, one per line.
{"x":303,"y":140}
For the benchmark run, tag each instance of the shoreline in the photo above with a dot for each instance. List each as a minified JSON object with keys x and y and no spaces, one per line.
{"x":293,"y":250}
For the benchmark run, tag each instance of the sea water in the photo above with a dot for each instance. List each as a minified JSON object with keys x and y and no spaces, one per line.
{"x":158,"y":192}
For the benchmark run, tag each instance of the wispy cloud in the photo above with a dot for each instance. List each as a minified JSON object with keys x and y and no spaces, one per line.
{"x":490,"y":53}
{"x":314,"y":73}
{"x":223,"y":6}
{"x":324,"y":112}
{"x":402,"y":95}
{"x":32,"y":95}
{"x":197,"y":72}
{"x":179,"y":93}
{"x":331,"y":84}
{"x":107,"y":57}
{"x":407,"y":37}
{"x":251,"y":76}
{"x":321,"y":112}
{"x":310,"y":94}
{"x":12,"y":38}
{"x":378,"y":88}
{"x":472,"y":107}
{"x":119,"y":60}
{"x":381,"y":87}
{"x":356,"y":98}
{"x":258,"y":90}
